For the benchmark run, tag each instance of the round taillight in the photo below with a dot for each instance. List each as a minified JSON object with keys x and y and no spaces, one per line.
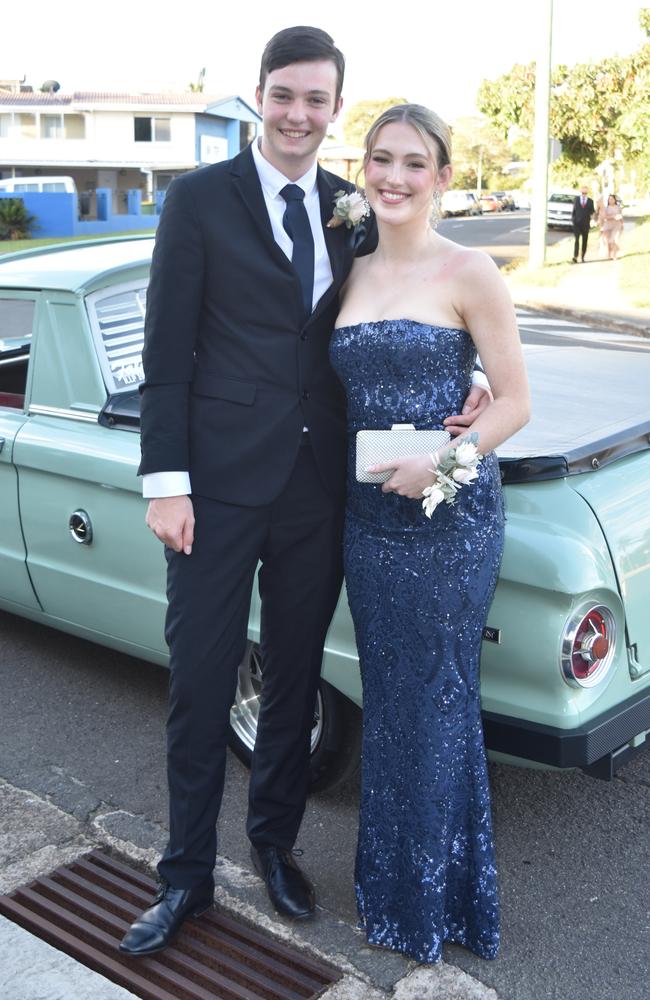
{"x":588,"y":643}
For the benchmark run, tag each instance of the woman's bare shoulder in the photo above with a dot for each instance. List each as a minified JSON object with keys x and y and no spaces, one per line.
{"x":465,"y":264}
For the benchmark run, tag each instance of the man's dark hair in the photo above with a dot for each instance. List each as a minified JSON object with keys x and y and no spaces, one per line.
{"x":301,"y":44}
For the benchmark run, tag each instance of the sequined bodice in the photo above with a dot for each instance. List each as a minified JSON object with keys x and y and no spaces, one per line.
{"x":399,"y":371}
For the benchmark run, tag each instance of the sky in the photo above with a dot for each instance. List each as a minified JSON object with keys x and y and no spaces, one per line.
{"x":431,"y":53}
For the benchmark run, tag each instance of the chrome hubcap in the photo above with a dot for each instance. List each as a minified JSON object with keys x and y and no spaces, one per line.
{"x":244,"y":714}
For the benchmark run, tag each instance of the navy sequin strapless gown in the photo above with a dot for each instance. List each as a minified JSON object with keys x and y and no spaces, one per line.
{"x":419,"y":592}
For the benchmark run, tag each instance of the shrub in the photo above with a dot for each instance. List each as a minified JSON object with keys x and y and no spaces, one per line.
{"x":15,"y":220}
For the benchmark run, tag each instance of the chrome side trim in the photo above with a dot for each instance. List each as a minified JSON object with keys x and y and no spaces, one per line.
{"x":15,"y":360}
{"x":67,"y":414}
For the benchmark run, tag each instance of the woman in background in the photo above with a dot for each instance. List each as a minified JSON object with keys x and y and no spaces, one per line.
{"x":610,"y":218}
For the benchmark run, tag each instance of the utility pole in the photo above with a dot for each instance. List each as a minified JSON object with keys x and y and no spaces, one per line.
{"x":537,"y":244}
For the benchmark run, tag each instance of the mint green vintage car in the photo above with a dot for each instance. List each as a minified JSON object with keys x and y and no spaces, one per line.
{"x":566,"y":654}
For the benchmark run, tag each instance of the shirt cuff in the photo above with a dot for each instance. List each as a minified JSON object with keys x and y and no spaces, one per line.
{"x":166,"y":484}
{"x":480,"y":378}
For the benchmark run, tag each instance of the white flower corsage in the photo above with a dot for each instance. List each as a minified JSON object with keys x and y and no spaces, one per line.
{"x":350,"y":207}
{"x":458,"y":468}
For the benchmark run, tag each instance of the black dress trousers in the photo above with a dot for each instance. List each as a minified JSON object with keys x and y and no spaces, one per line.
{"x":298,"y":539}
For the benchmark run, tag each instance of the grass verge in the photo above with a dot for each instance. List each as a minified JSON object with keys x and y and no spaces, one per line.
{"x":12,"y":246}
{"x":633,"y":264}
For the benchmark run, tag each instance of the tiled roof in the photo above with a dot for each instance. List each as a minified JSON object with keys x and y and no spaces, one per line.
{"x":107,"y":97}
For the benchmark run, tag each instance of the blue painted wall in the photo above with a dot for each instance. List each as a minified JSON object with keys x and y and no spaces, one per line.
{"x":223,"y":120}
{"x":55,"y":212}
{"x":209,"y":125}
{"x":56,"y":215}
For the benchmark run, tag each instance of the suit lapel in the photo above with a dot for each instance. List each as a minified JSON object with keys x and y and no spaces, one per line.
{"x":247,"y":183}
{"x":328,"y":185}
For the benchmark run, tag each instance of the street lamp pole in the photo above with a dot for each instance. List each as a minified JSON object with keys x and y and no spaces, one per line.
{"x":537,"y":244}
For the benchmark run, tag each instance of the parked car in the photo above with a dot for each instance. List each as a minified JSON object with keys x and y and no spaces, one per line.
{"x":490,"y":203}
{"x":506,"y":199}
{"x":459,"y":203}
{"x":559,"y":209}
{"x":566,"y":655}
{"x":521,"y":199}
{"x":474,"y":203}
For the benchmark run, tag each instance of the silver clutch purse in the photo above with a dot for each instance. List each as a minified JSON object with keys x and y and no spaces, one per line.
{"x":379,"y":447}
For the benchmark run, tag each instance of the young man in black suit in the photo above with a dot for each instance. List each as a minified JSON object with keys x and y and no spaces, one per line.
{"x":581,"y":215}
{"x":242,"y":413}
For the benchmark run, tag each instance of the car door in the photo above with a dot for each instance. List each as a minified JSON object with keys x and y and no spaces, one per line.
{"x":17,"y":313}
{"x":93,"y":563}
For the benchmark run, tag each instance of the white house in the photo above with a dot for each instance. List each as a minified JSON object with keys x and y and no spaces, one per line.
{"x":119,"y":141}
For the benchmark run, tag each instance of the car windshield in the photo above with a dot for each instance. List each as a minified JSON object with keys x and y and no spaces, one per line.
{"x":117,"y":321}
{"x":564,"y":199}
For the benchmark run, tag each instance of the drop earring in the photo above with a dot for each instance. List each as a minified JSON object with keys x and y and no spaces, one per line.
{"x":436,"y":211}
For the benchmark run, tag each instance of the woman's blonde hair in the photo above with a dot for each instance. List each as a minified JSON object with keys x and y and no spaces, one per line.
{"x":430,"y":127}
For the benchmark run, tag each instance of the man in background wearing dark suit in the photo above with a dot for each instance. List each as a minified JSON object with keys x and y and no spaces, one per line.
{"x":244,"y":457}
{"x":583,"y":210}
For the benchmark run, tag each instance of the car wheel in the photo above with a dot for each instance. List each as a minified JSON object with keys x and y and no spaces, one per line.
{"x":336,"y":729}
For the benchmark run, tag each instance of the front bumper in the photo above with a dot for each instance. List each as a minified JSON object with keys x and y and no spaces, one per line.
{"x":599,"y":746}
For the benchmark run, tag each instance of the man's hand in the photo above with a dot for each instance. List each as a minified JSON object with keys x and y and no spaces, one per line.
{"x":172,"y":521}
{"x":476,"y":403}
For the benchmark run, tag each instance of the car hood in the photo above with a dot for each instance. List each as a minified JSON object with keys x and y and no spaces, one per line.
{"x":618,"y":496}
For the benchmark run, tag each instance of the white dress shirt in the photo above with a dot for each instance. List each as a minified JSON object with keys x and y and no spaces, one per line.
{"x":272,"y":182}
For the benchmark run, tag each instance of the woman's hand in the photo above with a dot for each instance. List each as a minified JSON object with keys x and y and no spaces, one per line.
{"x":410,"y":475}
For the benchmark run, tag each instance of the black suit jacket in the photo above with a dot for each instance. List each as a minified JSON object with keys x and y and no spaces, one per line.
{"x":232,"y":372}
{"x":580,"y":216}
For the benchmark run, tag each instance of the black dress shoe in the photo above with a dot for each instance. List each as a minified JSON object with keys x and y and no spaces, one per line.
{"x":154,"y":928}
{"x":291,"y":893}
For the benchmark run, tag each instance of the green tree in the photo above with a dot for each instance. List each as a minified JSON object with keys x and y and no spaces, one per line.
{"x":510,"y":99}
{"x":361,"y":115}
{"x":478,"y":144}
{"x":598,"y":111}
{"x":15,"y":220}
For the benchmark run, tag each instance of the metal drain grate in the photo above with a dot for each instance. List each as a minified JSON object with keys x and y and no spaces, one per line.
{"x":85,"y":908}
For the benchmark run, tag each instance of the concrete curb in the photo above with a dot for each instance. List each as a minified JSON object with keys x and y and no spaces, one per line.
{"x":37,"y":836}
{"x":620,"y":324}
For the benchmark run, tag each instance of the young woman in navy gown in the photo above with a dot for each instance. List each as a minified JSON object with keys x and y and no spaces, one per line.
{"x":413,"y":316}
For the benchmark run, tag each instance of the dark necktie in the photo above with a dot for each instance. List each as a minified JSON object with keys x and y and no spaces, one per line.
{"x":296,"y":225}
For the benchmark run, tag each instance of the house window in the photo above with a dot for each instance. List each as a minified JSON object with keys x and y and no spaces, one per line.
{"x":51,"y":126}
{"x":152,"y":129}
{"x":25,"y":125}
{"x":5,"y":122}
{"x":162,"y":129}
{"x":142,"y":129}
{"x":74,"y":126}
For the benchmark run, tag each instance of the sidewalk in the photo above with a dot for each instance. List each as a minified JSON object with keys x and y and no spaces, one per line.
{"x":589,"y":292}
{"x":36,"y":837}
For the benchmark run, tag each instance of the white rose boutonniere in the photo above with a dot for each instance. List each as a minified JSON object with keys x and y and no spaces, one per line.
{"x":350,"y":207}
{"x":459,"y":467}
